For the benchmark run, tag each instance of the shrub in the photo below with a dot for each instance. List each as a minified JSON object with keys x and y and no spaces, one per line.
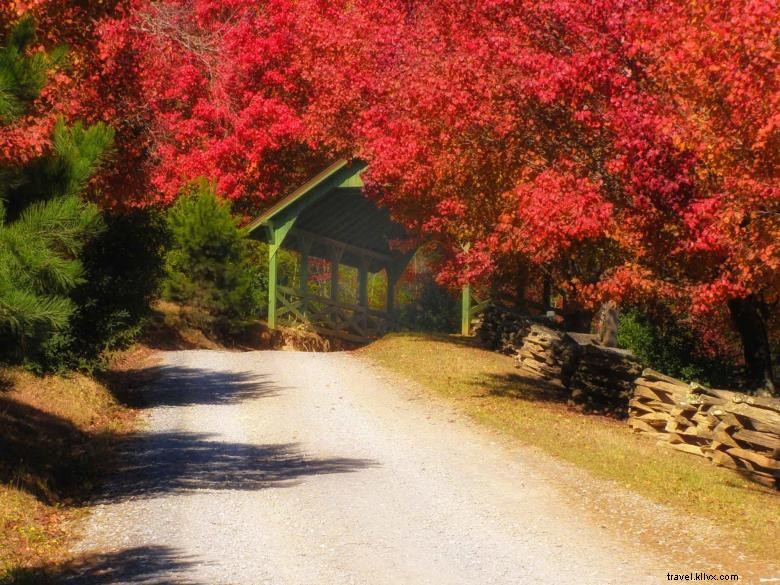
{"x":44,"y":226}
{"x":123,"y":268}
{"x":209,"y":267}
{"x":432,"y":308}
{"x":669,"y":347}
{"x":44,"y":223}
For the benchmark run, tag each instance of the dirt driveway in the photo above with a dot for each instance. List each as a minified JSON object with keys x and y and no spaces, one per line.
{"x":291,"y":468}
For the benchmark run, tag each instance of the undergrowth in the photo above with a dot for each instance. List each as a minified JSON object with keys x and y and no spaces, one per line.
{"x":57,"y":439}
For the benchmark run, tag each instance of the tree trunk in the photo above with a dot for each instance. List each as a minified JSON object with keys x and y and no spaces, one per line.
{"x":547,"y":293}
{"x":750,"y":317}
{"x":608,"y":324}
{"x":578,"y":319}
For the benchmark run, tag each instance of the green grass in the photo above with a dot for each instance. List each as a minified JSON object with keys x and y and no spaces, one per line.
{"x":488,"y":388}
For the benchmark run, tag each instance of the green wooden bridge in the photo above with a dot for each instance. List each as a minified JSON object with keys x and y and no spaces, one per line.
{"x":329,"y":218}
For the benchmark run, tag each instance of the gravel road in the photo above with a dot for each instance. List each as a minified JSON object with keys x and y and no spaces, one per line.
{"x":287,"y":468}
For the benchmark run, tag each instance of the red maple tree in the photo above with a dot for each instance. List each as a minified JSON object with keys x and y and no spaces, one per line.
{"x":627,"y":150}
{"x":215,"y":92}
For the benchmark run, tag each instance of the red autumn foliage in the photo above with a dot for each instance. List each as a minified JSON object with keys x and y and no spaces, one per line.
{"x":217,"y":92}
{"x":629,"y":149}
{"x":67,"y":93}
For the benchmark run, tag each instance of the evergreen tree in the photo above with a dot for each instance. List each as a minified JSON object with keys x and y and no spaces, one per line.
{"x":22,"y":76}
{"x":208,"y":266}
{"x":123,"y":269}
{"x":43,"y":222}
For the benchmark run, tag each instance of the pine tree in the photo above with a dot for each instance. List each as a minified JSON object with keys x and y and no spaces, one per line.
{"x":208,"y":266}
{"x":44,"y":223}
{"x":22,"y":76}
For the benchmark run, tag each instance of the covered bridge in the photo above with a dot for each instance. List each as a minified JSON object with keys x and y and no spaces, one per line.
{"x":329,"y":218}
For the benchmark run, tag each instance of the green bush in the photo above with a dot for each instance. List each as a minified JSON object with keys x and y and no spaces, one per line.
{"x":44,"y":226}
{"x":44,"y":223}
{"x":209,"y":267}
{"x":123,"y":268}
{"x":669,"y":347}
{"x":431,"y":309}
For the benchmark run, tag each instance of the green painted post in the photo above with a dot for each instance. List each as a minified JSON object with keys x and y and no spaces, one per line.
{"x":465,"y":310}
{"x":273,"y":273}
{"x":277,"y":235}
{"x":363,"y":283}
{"x":305,"y":244}
{"x":335,"y":259}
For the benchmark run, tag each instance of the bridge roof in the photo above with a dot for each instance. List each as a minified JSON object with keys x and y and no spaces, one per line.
{"x":331,"y":210}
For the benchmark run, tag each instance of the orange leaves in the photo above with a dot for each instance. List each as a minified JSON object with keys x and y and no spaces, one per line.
{"x":552,"y":212}
{"x":27,"y":139}
{"x":622,"y":145}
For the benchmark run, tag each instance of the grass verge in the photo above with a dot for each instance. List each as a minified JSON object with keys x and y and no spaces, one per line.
{"x":489,"y":389}
{"x":57,"y":439}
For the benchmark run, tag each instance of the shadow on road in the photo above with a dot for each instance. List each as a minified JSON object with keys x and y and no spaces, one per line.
{"x":182,"y":386}
{"x":187,"y":386}
{"x":154,"y":464}
{"x":146,"y":565}
{"x":183,"y":462}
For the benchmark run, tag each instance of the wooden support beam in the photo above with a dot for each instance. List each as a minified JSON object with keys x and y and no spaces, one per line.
{"x":465,"y":310}
{"x":304,"y":270}
{"x":363,"y":283}
{"x":357,"y":251}
{"x":305,"y":246}
{"x":273,"y":278}
{"x":277,"y":235}
{"x":336,"y":252}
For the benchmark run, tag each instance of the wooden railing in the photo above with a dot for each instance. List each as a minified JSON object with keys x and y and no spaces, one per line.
{"x":478,"y":307}
{"x":330,"y":317}
{"x":471,"y":308}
